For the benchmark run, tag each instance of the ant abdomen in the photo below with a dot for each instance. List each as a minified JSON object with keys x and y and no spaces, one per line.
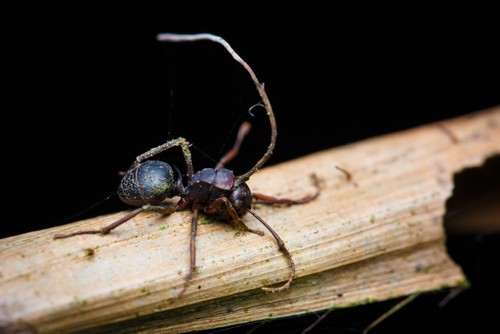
{"x":150,"y":182}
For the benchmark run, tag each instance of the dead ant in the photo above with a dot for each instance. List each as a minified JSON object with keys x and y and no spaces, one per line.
{"x":214,"y":191}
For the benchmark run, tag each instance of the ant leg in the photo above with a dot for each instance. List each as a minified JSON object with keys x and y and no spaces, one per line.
{"x":270,"y":200}
{"x":213,"y":207}
{"x":183,"y":143}
{"x":283,"y":249}
{"x":104,"y":230}
{"x":165,"y":210}
{"x":236,"y":220}
{"x":192,"y":248}
{"x":233,"y":152}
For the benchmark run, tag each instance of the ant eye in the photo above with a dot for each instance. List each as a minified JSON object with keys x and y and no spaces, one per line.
{"x":147,"y":183}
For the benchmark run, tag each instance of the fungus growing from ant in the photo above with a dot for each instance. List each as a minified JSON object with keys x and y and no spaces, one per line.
{"x":212,"y":191}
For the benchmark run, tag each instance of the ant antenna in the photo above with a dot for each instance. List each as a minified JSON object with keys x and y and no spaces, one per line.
{"x":168,"y":37}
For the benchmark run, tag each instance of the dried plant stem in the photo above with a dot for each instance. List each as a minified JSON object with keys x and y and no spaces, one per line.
{"x":375,"y":237}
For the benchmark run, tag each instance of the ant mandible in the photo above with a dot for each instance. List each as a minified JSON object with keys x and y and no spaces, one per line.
{"x":214,"y":191}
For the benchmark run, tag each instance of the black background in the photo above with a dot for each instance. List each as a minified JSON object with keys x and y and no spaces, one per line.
{"x":88,"y":88}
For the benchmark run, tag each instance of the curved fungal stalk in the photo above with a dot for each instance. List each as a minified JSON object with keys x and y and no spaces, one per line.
{"x":170,"y":37}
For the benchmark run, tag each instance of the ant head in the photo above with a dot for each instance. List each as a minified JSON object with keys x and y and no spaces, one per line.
{"x":149,"y":183}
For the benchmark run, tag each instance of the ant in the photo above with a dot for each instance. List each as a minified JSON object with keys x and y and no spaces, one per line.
{"x":213,"y":191}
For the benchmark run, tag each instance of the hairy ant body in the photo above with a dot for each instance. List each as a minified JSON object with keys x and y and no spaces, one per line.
{"x":214,"y":191}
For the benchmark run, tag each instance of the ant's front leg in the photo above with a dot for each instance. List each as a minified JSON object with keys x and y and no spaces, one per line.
{"x":215,"y":207}
{"x":163,"y":209}
{"x":270,"y":200}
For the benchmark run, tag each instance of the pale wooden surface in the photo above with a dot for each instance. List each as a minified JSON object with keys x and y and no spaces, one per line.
{"x":378,"y":236}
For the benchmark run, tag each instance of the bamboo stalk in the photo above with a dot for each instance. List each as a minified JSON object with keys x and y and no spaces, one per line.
{"x":374,"y":237}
